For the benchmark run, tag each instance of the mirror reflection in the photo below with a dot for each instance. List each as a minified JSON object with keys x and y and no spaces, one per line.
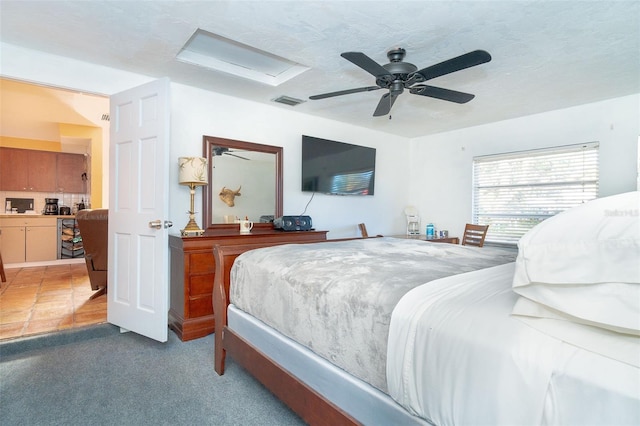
{"x":245,"y":181}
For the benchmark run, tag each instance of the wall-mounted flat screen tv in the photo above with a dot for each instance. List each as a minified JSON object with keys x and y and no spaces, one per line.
{"x":338,"y":168}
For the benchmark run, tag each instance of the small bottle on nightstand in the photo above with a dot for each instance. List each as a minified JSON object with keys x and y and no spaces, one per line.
{"x":430,"y":231}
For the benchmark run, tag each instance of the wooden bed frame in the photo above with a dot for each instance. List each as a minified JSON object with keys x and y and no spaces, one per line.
{"x":310,"y":405}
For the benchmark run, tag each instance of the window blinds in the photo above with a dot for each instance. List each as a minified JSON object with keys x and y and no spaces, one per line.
{"x":514,"y":192}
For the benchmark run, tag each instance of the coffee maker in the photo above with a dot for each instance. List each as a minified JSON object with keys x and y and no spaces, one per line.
{"x":413,"y":220}
{"x":51,"y":206}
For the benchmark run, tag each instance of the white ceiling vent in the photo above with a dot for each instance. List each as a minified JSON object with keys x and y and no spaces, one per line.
{"x":287,"y":100}
{"x":215,"y":52}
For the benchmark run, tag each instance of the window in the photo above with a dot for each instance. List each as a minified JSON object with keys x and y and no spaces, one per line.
{"x":514,"y":192}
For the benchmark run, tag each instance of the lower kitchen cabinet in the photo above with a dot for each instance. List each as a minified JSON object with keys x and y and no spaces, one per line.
{"x":28,"y":239}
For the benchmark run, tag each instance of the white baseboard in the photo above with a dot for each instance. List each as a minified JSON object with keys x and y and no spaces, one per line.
{"x":44,"y":263}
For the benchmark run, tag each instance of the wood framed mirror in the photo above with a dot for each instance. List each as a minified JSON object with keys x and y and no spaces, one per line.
{"x":245,"y":180}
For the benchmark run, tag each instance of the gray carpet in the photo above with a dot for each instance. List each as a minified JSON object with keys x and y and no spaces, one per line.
{"x":98,"y":376}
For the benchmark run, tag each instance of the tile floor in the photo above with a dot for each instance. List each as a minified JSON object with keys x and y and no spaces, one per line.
{"x":44,"y":299}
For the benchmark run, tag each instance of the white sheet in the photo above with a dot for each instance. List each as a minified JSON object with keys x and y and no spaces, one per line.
{"x":456,"y":356}
{"x":619,"y":346}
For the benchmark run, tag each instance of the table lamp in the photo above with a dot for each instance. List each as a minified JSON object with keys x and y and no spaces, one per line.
{"x":193,"y":172}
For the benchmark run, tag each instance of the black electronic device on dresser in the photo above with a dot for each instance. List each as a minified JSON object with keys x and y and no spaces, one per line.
{"x":293,"y":223}
{"x":51,"y":206}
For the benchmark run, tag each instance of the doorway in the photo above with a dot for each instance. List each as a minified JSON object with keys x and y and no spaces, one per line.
{"x":54,"y":119}
{"x":37,"y":299}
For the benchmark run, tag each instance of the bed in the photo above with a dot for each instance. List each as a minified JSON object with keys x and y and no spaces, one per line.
{"x":391,"y":331}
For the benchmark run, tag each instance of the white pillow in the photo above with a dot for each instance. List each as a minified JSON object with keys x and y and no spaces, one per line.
{"x":585,"y":263}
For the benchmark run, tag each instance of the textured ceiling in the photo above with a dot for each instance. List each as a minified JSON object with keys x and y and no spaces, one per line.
{"x":546,"y":54}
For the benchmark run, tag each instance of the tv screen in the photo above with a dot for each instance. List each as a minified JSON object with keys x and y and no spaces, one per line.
{"x":339,"y":168}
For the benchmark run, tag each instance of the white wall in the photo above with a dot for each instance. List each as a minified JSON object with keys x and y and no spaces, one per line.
{"x":196,"y":113}
{"x":441,"y":166}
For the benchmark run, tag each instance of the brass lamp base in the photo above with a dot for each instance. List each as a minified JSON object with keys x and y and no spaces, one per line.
{"x":192,"y":228}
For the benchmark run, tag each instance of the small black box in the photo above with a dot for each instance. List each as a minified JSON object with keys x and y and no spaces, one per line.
{"x":293,"y":223}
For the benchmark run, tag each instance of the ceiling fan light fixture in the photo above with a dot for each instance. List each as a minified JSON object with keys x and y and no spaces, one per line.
{"x":218,"y":53}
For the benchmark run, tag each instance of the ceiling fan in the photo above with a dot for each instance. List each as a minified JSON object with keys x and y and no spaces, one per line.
{"x":223,"y":150}
{"x":397,"y":76}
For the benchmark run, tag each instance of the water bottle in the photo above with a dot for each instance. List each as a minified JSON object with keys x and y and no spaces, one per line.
{"x":430,"y":231}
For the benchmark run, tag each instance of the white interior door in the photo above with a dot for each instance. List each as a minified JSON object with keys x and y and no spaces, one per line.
{"x":137,"y":299}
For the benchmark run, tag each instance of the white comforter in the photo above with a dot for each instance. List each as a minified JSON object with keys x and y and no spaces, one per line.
{"x":456,"y":357}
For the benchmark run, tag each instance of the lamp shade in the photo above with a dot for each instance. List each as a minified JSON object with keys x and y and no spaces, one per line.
{"x":193,"y":171}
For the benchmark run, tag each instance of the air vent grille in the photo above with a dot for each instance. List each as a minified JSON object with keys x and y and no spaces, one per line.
{"x":287,"y":100}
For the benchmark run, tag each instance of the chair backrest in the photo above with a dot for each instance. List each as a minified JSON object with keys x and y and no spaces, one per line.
{"x":363,"y":230}
{"x":94,"y":230}
{"x":474,"y":235}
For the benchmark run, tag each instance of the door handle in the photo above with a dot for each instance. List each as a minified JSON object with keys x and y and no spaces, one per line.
{"x":157,"y":224}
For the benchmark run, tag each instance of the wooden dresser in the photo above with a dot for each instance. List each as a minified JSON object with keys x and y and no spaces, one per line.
{"x":193,"y":269}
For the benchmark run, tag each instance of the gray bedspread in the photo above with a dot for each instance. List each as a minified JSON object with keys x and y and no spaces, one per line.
{"x":337,"y":297}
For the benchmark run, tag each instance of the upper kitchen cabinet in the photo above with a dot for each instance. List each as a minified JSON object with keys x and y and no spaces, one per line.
{"x":41,"y":171}
{"x":71,"y":167}
{"x":14,"y":175}
{"x":27,"y":170}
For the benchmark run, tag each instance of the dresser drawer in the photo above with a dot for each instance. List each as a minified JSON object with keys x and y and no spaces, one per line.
{"x":201,"y":285}
{"x":200,"y":306}
{"x":201,"y":263}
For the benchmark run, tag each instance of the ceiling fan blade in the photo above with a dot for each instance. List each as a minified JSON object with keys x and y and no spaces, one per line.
{"x":366,"y":63}
{"x":385,"y":104}
{"x":237,"y":156}
{"x":440,"y":93}
{"x":344,"y":92}
{"x":458,"y":63}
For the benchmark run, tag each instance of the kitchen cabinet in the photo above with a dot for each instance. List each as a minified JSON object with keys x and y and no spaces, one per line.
{"x":27,"y":170}
{"x":70,"y":169}
{"x":28,"y":239}
{"x":13,"y":169}
{"x":12,"y":244}
{"x":41,"y":171}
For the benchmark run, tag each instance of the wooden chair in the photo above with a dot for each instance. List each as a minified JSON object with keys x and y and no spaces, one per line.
{"x":363,"y":231}
{"x":474,"y":235}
